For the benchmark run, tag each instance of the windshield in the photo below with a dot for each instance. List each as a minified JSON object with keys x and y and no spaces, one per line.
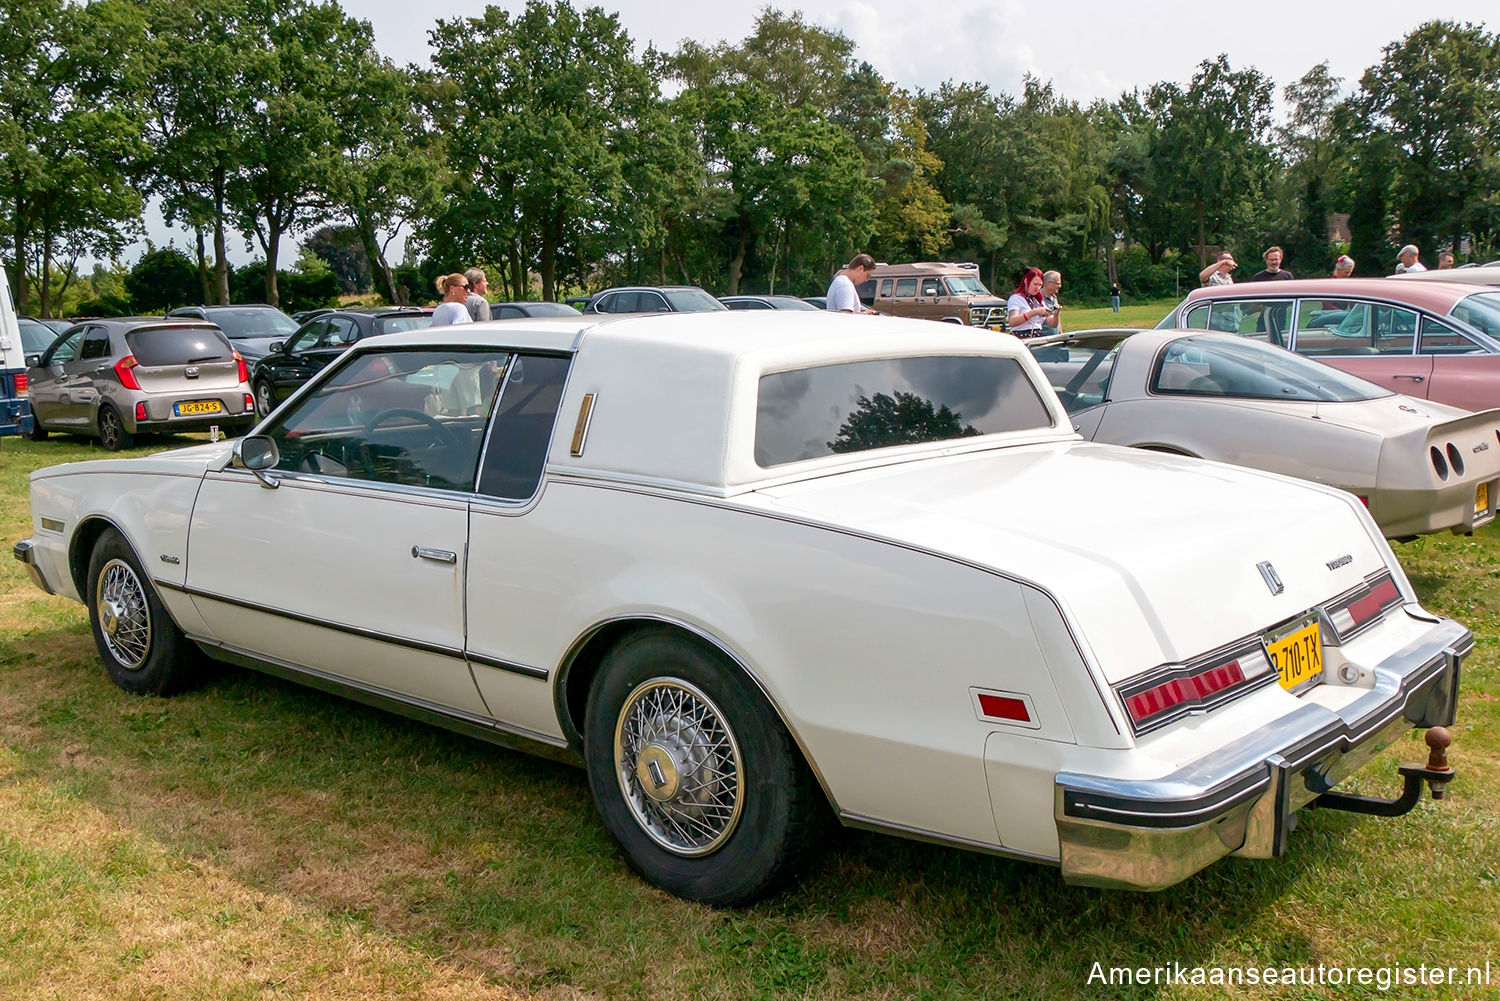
{"x":691,"y":300}
{"x":1204,"y":366}
{"x":966,"y":285}
{"x":259,"y":322}
{"x":857,"y":406}
{"x":35,"y":335}
{"x":1480,"y":311}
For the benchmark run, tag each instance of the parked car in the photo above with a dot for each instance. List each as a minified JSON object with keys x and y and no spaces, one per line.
{"x":37,"y":335}
{"x":15,"y":341}
{"x":251,"y":327}
{"x":820,"y":301}
{"x":302,"y":316}
{"x":317,"y":342}
{"x":659,"y":299}
{"x":1438,"y":341}
{"x":513,"y":310}
{"x":117,"y":378}
{"x":56,"y":324}
{"x":934,"y":290}
{"x":750,"y":574}
{"x":1472,"y":274}
{"x":1419,"y":466}
{"x":765,"y":302}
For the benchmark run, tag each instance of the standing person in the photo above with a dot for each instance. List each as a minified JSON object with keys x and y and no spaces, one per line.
{"x":1407,"y":261}
{"x":1445,"y":260}
{"x":455,"y":290}
{"x":1217,"y":273}
{"x":1025,"y":311}
{"x":1343,"y":267}
{"x":1051,"y":285}
{"x":1274,"y":271}
{"x":1114,"y":295}
{"x":843,"y":294}
{"x":477,"y":305}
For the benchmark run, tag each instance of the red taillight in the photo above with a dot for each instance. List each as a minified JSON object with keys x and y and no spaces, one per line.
{"x":123,"y":369}
{"x":20,"y":383}
{"x":244,"y":372}
{"x":249,"y":403}
{"x":1195,"y":686}
{"x":1363,"y":605}
{"x":140,"y":411}
{"x":1363,"y":500}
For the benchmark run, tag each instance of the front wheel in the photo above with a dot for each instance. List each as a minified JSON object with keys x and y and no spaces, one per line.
{"x":265,"y":400}
{"x":112,"y":433}
{"x":143,"y":650}
{"x":693,"y":774}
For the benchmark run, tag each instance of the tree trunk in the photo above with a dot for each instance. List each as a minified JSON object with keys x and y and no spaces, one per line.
{"x":378,"y":264}
{"x":736,"y":264}
{"x":271,"y":245}
{"x":551,"y":237}
{"x":517,"y":269}
{"x":202,"y":265}
{"x":221,"y":260}
{"x":45,"y":278}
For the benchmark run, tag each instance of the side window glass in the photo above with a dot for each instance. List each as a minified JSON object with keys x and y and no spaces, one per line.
{"x":653,"y":303}
{"x":1196,"y":319}
{"x":524,"y":418}
{"x":1393,"y":330}
{"x":64,"y":351}
{"x":1332,"y":327}
{"x":510,"y":313}
{"x":930,"y":286}
{"x":340,"y":330}
{"x":1440,"y":339}
{"x":1257,"y":319}
{"x":95,"y":344}
{"x":906,"y":287}
{"x":886,"y":284}
{"x":414,"y":418}
{"x":1079,"y":375}
{"x":311,"y":336}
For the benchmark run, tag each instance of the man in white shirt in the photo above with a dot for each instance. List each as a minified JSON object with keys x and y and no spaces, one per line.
{"x":843,"y":296}
{"x":1408,"y":261}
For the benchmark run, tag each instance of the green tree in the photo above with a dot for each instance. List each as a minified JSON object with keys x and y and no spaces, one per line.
{"x":1311,"y":156}
{"x":536,"y":109}
{"x":70,"y":134}
{"x":164,"y":277}
{"x":1436,"y":95}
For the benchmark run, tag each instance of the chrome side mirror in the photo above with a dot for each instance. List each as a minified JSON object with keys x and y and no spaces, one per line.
{"x":257,"y":453}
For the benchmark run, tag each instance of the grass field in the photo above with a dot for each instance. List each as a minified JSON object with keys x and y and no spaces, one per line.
{"x":252,"y":839}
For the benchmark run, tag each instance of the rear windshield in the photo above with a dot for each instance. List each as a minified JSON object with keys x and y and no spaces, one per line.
{"x":1481,"y":311}
{"x":177,"y":345}
{"x":856,"y":406}
{"x":691,"y":300}
{"x":396,"y":324}
{"x":238,"y":323}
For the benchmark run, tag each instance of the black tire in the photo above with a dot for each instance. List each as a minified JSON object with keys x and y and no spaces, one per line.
{"x":112,"y":433}
{"x":143,"y":650}
{"x":664,"y":702}
{"x":265,"y":398}
{"x":37,"y":432}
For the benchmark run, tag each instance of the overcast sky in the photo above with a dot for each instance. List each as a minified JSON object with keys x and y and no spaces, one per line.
{"x":1087,"y":49}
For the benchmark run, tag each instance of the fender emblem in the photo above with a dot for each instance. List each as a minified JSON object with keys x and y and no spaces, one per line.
{"x":1342,"y":561}
{"x":1268,"y":573}
{"x":1483,"y":446}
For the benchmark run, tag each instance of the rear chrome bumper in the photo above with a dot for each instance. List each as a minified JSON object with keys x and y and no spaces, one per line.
{"x":1243,"y":800}
{"x":23,"y":551}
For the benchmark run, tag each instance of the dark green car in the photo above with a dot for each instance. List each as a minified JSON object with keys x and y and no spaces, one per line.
{"x":319,"y":341}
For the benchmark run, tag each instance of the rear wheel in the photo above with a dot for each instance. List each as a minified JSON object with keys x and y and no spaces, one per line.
{"x":143,"y":650}
{"x":693,"y":774}
{"x":37,"y":432}
{"x":112,"y":433}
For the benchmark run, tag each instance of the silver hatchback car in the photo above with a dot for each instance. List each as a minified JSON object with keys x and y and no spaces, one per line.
{"x":114,"y":379}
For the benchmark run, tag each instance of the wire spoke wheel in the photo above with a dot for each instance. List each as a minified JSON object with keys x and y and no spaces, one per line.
{"x":679,"y":766}
{"x":124,"y":614}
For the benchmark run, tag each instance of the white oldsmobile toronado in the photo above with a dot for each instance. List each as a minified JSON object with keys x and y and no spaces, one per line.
{"x":753,"y":573}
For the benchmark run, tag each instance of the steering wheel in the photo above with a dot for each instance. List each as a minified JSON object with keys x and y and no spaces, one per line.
{"x":442,"y":436}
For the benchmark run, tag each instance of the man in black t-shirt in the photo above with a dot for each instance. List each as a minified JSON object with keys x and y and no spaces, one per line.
{"x":1274,"y":271}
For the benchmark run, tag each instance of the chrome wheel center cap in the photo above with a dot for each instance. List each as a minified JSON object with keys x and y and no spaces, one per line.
{"x":109,"y":616}
{"x":658,"y":772}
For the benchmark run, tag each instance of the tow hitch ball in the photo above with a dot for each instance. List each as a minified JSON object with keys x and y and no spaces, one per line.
{"x":1435,"y":773}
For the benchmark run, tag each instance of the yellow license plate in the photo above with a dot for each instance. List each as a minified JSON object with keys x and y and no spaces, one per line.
{"x":199,"y":407}
{"x":1481,"y":498}
{"x":1297,"y":653}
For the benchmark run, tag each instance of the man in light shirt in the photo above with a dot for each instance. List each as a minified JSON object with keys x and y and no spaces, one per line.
{"x":843,"y":294}
{"x":1407,"y":260}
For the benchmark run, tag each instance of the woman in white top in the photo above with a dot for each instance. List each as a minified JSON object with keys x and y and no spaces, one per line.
{"x":455,"y":290}
{"x":1025,"y":313}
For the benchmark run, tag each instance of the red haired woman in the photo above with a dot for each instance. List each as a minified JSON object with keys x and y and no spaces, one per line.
{"x":1025,"y":312}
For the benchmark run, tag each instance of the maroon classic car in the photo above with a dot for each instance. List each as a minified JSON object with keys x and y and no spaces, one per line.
{"x":1435,"y":340}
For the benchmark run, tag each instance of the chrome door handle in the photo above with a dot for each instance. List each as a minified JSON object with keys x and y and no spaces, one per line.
{"x":436,"y":555}
{"x":1413,"y":378}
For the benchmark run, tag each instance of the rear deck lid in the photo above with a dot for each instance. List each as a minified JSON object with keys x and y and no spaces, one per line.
{"x":182,"y":358}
